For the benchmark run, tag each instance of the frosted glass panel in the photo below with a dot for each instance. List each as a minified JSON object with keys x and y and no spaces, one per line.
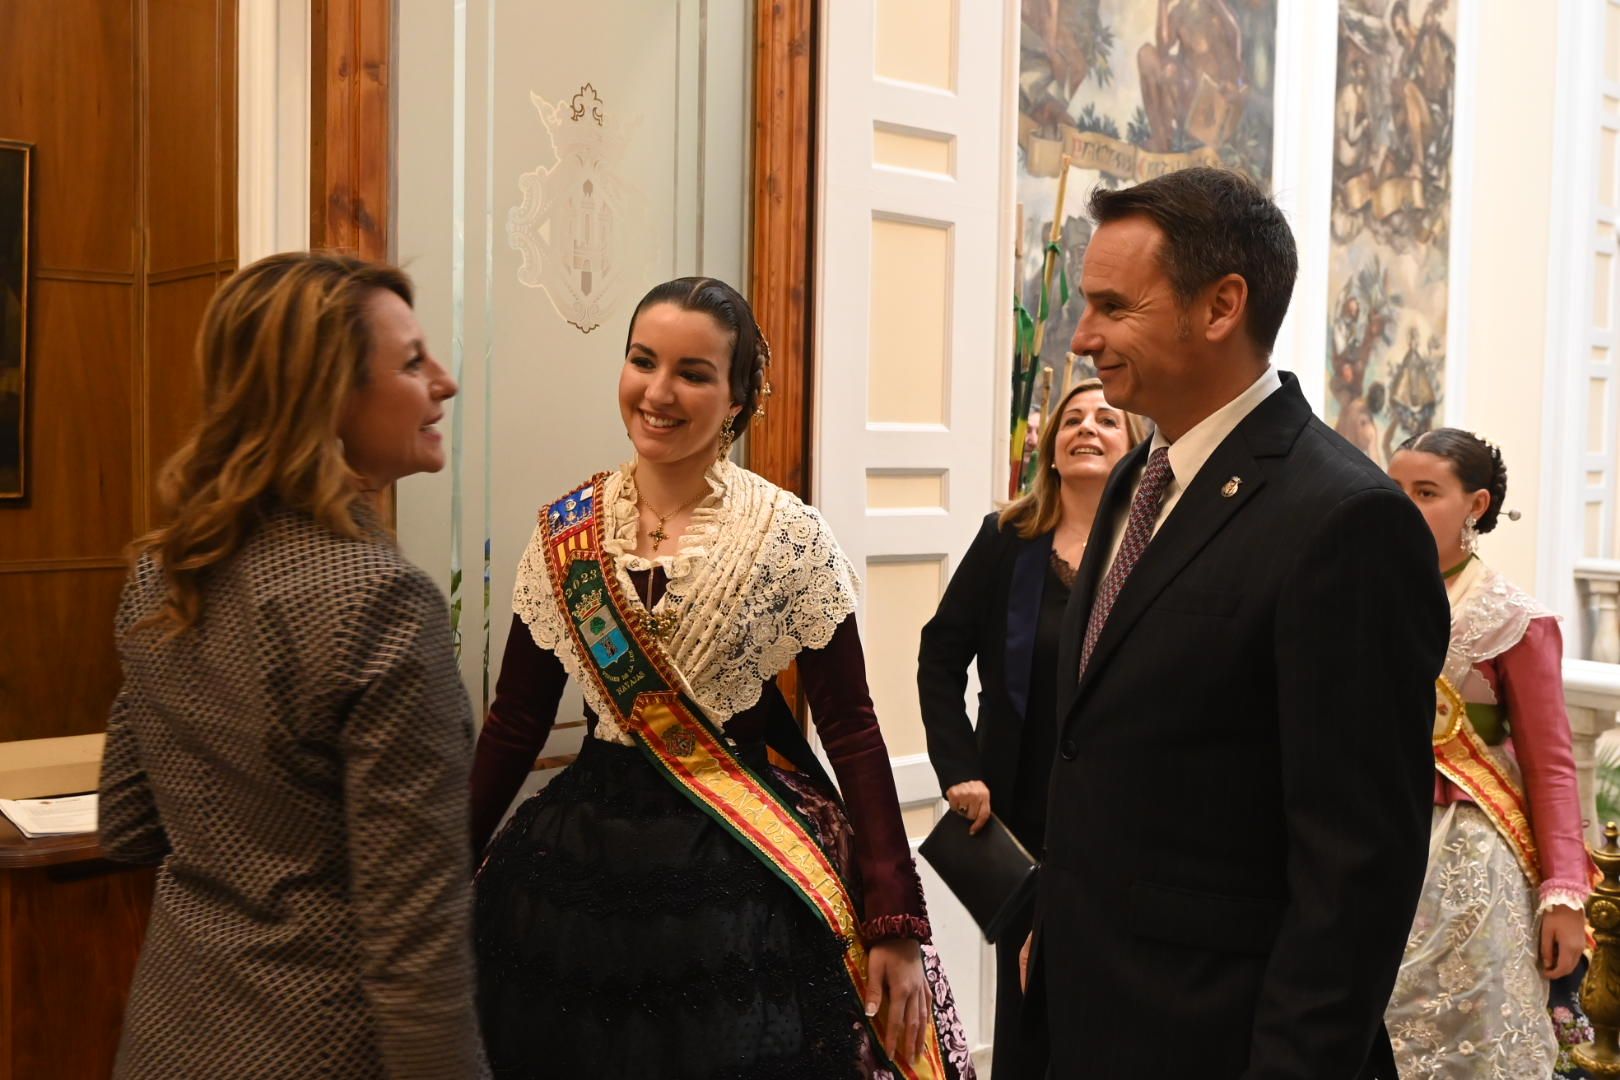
{"x":554,"y":162}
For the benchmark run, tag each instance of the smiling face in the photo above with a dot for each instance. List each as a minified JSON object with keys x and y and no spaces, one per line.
{"x":674,"y":389}
{"x":1134,"y":328}
{"x":1091,"y":438}
{"x":388,"y":423}
{"x":1431,"y":482}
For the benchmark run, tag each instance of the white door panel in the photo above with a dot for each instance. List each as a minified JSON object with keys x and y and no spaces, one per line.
{"x":913,"y":261}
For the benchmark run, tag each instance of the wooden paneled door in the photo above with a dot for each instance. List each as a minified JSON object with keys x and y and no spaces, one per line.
{"x":131,"y":107}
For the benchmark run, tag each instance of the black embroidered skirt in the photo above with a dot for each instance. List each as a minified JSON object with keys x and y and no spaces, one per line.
{"x":621,"y":932}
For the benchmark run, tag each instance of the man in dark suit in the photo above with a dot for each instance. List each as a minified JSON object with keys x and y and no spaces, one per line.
{"x":1239,"y":810}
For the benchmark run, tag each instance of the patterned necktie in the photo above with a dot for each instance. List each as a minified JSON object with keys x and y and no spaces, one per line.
{"x":1138,"y":531}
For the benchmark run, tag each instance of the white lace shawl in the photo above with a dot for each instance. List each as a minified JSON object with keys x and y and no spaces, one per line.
{"x":1489,"y":615}
{"x":756,"y":577}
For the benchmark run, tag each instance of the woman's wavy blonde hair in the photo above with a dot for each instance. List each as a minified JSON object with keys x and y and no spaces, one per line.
{"x":284,"y":342}
{"x":1041,"y":510}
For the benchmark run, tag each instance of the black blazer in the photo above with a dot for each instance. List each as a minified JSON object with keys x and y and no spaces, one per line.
{"x":989,"y":612}
{"x":1239,"y":812}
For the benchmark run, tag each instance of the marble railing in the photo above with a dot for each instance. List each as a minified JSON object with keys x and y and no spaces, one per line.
{"x":1592,"y":692}
{"x":1598,"y":582}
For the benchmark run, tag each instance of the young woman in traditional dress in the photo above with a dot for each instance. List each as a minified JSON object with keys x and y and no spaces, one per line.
{"x":1501,"y":912}
{"x":679,"y":901}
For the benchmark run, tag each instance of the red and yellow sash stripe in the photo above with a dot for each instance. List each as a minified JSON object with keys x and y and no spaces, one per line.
{"x":644,"y":691}
{"x":1462,"y":757}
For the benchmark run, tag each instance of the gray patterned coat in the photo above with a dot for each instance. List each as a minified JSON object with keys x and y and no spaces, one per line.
{"x":297,"y":764}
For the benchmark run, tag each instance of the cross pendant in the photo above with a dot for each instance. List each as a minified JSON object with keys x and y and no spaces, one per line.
{"x":658,"y":536}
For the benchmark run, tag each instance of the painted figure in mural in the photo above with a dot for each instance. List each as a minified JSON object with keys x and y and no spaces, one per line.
{"x":1352,"y":122}
{"x":691,"y":896}
{"x":1358,"y":422}
{"x":1062,"y":43}
{"x":1392,"y":123}
{"x":1193,"y":81}
{"x":1349,"y":333}
{"x":1501,"y":911}
{"x":1414,"y":390}
{"x":1221,"y":896}
{"x":1004,"y":609}
{"x":1391,"y":216}
{"x":291,"y":741}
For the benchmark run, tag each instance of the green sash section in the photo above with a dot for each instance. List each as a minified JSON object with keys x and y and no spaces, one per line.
{"x":612,"y":646}
{"x":1488,"y":723}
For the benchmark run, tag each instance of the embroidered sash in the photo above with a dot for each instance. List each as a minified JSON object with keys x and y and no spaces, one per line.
{"x":1464,"y":758}
{"x":636,"y":679}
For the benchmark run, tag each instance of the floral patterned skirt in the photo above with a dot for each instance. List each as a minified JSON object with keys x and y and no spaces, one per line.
{"x":622,"y":932}
{"x":1470,"y":1000}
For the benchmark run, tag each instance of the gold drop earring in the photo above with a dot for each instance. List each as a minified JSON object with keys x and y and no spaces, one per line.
{"x":727,"y":437}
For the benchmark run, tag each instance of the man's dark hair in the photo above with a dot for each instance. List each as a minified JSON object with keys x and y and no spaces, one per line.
{"x":1215,"y":222}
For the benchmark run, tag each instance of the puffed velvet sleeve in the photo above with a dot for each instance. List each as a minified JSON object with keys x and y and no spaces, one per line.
{"x":520,"y":718}
{"x":841,"y":707}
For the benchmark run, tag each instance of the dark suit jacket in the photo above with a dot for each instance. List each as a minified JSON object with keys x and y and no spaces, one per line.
{"x":1239,"y":810}
{"x":989,"y":612}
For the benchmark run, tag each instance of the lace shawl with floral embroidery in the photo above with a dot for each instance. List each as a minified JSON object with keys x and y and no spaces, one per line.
{"x":756,"y":577}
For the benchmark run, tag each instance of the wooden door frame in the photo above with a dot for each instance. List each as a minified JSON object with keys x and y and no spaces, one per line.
{"x":782,"y":253}
{"x":351,"y":101}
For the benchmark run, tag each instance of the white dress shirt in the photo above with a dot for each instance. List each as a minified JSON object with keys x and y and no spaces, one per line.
{"x":1189,"y":453}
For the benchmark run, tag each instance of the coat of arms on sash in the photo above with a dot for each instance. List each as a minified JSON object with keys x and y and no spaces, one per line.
{"x":579,"y":229}
{"x":601,"y":632}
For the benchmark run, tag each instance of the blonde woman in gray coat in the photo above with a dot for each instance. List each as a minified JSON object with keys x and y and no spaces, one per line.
{"x":291,"y":741}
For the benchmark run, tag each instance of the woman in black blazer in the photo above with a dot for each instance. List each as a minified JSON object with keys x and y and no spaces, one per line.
{"x":1004,"y":606}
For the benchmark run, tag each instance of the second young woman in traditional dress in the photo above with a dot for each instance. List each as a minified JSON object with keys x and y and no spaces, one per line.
{"x":1501,"y":911}
{"x":681,"y":901}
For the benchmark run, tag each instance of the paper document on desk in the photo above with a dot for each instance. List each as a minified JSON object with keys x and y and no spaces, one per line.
{"x":62,"y":816}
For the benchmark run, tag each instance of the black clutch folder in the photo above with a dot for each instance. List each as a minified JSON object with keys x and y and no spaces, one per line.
{"x":991,"y":873}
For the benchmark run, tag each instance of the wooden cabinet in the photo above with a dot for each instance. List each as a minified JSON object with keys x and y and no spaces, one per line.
{"x":71,"y":926}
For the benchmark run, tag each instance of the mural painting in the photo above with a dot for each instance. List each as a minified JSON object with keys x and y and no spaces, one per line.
{"x":1388,"y":270}
{"x":1128,"y":90}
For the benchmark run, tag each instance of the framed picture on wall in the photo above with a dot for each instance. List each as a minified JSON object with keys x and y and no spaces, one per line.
{"x":16,"y":158}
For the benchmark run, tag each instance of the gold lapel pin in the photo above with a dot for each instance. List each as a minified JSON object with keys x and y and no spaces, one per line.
{"x":1230,"y":488}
